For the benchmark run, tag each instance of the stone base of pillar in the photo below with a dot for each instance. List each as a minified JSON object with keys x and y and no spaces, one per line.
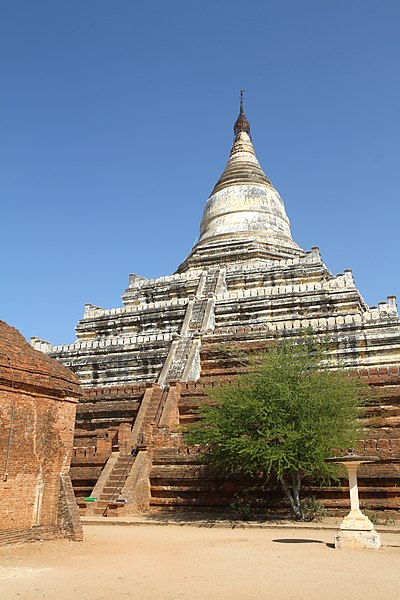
{"x":345,"y":538}
{"x":356,"y":521}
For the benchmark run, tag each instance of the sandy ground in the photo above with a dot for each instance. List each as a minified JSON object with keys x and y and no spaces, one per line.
{"x":174,"y":562}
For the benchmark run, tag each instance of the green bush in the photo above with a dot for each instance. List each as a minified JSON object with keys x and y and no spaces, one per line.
{"x":312,"y":509}
{"x":241,"y":508}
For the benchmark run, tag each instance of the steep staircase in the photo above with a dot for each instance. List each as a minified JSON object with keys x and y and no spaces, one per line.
{"x":110,"y":496}
{"x":111,"y":492}
{"x":181,"y":363}
{"x":155,"y":407}
{"x":180,"y":359}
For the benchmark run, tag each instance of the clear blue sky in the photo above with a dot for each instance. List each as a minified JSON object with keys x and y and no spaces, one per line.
{"x":116,"y":121}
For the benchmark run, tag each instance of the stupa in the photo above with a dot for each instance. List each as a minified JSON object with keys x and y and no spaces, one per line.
{"x":144,"y":365}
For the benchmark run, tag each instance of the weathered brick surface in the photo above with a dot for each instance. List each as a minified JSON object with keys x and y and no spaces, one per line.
{"x":38,"y":399}
{"x":179,"y":478}
{"x":23,"y":367}
{"x":68,"y":517}
{"x":104,"y":421}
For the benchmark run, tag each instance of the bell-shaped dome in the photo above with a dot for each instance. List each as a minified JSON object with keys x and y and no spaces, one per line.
{"x":243,"y":210}
{"x":244,"y":202}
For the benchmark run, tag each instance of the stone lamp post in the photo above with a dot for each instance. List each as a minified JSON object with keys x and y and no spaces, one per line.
{"x":356,"y":530}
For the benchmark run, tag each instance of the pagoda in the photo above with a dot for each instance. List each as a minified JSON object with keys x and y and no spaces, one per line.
{"x":246,"y":282}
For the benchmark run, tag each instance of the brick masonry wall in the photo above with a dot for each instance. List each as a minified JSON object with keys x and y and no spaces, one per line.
{"x":40,"y":451}
{"x":105,"y":417}
{"x":68,"y":518}
{"x":37,"y":413}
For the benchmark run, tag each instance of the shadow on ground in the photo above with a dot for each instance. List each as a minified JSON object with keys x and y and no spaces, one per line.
{"x":298,"y":541}
{"x":302,"y":541}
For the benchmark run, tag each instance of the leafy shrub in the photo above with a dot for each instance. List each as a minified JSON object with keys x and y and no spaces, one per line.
{"x":241,"y":508}
{"x":312,"y":509}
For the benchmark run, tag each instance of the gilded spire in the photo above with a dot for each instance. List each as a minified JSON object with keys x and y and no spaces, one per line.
{"x":242,"y":124}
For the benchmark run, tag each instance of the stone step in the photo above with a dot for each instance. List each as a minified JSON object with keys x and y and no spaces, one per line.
{"x":344,"y":489}
{"x":168,"y":468}
{"x":98,"y":511}
{"x":187,"y":501}
{"x":122,"y":464}
{"x":104,"y":497}
{"x":112,"y":485}
{"x":115,"y":476}
{"x":168,"y":489}
{"x":114,"y":511}
{"x":105,"y":500}
{"x":116,"y":480}
{"x":370,"y":504}
{"x":109,"y":486}
{"x":180,"y":472}
{"x":162,"y":456}
{"x":119,"y":469}
{"x":110,"y":489}
{"x":188,"y":418}
{"x":111,"y":507}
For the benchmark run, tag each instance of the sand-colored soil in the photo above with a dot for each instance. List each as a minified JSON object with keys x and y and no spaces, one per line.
{"x":175,"y":562}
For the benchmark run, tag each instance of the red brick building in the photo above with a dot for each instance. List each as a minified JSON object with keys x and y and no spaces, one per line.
{"x":38,"y":398}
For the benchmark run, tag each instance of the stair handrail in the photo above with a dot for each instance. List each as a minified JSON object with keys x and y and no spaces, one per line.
{"x":161,"y":405}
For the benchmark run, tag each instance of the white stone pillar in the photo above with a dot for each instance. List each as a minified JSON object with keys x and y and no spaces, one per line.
{"x":356,"y":530}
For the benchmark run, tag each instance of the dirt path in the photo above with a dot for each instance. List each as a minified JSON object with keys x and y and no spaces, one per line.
{"x":172,"y":562}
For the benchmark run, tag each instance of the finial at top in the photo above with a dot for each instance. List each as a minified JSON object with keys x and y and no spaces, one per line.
{"x":241,"y":99}
{"x":242,"y":124}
